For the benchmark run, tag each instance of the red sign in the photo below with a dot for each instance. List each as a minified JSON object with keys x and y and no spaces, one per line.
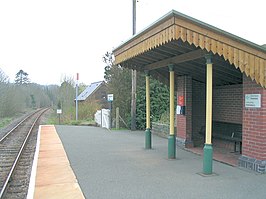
{"x":181,"y":101}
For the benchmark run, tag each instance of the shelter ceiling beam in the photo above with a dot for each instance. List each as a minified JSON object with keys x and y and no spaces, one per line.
{"x":161,"y":76}
{"x":192,"y":55}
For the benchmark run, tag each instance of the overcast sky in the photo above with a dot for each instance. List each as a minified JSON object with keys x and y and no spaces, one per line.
{"x":52,"y":38}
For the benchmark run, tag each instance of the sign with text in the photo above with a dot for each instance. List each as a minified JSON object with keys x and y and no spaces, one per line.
{"x":253,"y":100}
{"x":110,"y":97}
{"x":59,"y":111}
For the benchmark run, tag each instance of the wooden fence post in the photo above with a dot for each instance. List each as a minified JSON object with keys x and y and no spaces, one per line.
{"x":117,"y":118}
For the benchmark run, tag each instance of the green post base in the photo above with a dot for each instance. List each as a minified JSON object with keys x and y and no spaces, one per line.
{"x":171,"y":146}
{"x":148,"y":138}
{"x":207,"y":159}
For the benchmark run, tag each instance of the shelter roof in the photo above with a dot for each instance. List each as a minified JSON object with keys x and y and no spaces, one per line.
{"x":184,"y":41}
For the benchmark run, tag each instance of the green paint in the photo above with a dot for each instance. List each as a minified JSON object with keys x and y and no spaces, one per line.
{"x":171,"y":147}
{"x":207,"y":159}
{"x":208,"y":58}
{"x":171,"y":67}
{"x":147,"y":73}
{"x":148,"y":138}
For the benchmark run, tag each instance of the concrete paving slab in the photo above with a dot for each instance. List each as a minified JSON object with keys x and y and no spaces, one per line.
{"x":58,"y":191}
{"x":50,"y":153}
{"x":52,"y":147}
{"x":54,"y":174}
{"x":46,"y":162}
{"x":52,"y":177}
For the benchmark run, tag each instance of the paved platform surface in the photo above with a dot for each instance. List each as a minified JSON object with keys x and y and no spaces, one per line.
{"x":114,"y":164}
{"x":54,"y":176}
{"x":221,"y":154}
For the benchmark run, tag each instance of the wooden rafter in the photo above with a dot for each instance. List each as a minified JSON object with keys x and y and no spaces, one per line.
{"x":177,"y":59}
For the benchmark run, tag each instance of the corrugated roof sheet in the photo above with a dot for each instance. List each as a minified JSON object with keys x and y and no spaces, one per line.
{"x":89,"y":90}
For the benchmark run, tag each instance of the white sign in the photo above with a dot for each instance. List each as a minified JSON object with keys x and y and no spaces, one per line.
{"x":253,"y":100}
{"x":178,"y":109}
{"x":59,"y":111}
{"x":110,"y":97}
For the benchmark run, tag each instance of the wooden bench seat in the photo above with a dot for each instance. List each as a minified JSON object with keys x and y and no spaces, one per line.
{"x":231,"y":132}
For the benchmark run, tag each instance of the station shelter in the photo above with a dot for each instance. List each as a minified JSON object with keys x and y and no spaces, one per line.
{"x":219,"y":80}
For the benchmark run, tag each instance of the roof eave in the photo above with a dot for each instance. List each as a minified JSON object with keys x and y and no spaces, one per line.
{"x":174,"y":13}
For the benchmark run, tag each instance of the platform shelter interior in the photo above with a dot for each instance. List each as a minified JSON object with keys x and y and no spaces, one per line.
{"x":212,"y":73}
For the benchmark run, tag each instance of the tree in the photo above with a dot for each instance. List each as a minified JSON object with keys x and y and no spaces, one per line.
{"x":82,"y":87}
{"x":22,"y":78}
{"x":159,"y":97}
{"x":3,"y":77}
{"x":66,"y":98}
{"x":118,"y":83}
{"x":108,"y":59}
{"x":10,"y":101}
{"x":33,"y":102}
{"x":52,"y":92}
{"x":15,"y":99}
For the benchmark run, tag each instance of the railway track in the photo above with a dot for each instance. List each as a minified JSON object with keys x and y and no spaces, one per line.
{"x":16,"y":156}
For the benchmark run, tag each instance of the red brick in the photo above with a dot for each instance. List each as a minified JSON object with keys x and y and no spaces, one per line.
{"x":254,"y":120}
{"x":184,"y":122}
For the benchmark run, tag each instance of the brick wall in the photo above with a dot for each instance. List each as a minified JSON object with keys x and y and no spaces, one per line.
{"x":199,"y":106}
{"x":254,"y":122}
{"x":227,"y":103}
{"x":181,"y":119}
{"x":184,"y":122}
{"x":189,"y":100}
{"x":99,"y":96}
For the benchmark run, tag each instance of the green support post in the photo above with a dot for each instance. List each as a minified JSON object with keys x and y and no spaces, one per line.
{"x":171,"y":147}
{"x":148,"y":138}
{"x":207,"y":159}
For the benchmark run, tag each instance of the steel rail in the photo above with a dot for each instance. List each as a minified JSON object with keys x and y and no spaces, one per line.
{"x":4,"y":137}
{"x":19,"y":153}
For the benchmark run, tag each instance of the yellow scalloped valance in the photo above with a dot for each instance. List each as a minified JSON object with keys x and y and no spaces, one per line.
{"x":249,"y":60}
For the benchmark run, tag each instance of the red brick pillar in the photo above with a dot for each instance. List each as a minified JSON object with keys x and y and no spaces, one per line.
{"x":253,"y":129}
{"x":184,"y":122}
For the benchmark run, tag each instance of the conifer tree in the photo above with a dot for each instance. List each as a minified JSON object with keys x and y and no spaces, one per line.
{"x":22,"y":78}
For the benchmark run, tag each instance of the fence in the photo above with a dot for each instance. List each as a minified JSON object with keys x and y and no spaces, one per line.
{"x":102,"y":118}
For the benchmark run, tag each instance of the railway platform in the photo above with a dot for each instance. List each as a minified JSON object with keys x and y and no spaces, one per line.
{"x":52,"y":176}
{"x":114,"y":164}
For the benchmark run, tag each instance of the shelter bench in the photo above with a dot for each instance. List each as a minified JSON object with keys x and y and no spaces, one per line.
{"x":231,"y":132}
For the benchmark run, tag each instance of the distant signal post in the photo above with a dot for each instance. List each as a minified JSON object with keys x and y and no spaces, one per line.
{"x":77,"y":88}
